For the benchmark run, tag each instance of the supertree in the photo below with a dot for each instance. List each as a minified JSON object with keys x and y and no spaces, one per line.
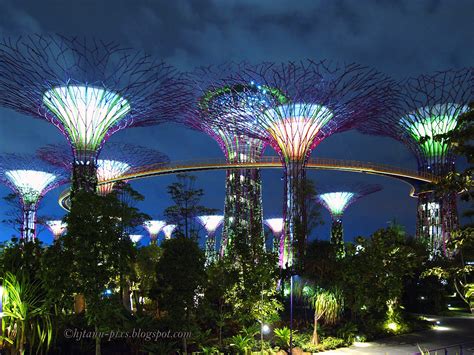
{"x":115,"y":160}
{"x":276,"y":225}
{"x":294,"y":106}
{"x":89,"y":89}
{"x":210,"y":224}
{"x":135,"y":238}
{"x":219,"y":95}
{"x":30,"y":179}
{"x":429,"y":106}
{"x":336,"y":201}
{"x":168,"y":230}
{"x":153,"y":228}
{"x":57,"y":227}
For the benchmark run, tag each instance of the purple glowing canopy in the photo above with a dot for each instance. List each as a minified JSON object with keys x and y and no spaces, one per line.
{"x":87,"y":88}
{"x":30,"y":179}
{"x":428,"y":105}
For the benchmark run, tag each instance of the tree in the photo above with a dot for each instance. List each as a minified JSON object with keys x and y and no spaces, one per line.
{"x":187,"y":199}
{"x":327,"y":305}
{"x":96,"y":253}
{"x":180,"y":281}
{"x":374,"y":270}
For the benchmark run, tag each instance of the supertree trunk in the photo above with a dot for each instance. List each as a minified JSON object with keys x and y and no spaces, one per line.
{"x":210,"y":252}
{"x":84,"y":177}
{"x":293,"y":239}
{"x":28,"y":223}
{"x":437,"y":218}
{"x":243,"y":208}
{"x":337,"y":237}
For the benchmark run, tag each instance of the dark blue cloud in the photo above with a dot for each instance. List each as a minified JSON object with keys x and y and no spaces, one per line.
{"x":399,"y":37}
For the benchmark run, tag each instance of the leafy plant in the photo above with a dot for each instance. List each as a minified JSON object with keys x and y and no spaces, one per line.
{"x":26,"y":319}
{"x":282,"y":336}
{"x":348,"y":332}
{"x":332,"y":343}
{"x":242,"y":343}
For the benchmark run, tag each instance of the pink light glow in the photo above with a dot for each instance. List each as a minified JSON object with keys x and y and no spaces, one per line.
{"x":211,"y":223}
{"x":295,"y":127}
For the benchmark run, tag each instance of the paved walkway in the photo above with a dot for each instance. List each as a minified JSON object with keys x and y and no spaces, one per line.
{"x":450,"y":331}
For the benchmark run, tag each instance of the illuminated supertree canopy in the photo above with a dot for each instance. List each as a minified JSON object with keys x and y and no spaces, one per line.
{"x":30,"y":179}
{"x":57,"y":227}
{"x":277,"y":225}
{"x":210,"y":223}
{"x":337,"y":201}
{"x":135,"y":238}
{"x":221,"y":102}
{"x":168,"y":230}
{"x":153,"y":228}
{"x":429,"y":105}
{"x":115,"y":160}
{"x":88,"y":89}
{"x":309,"y":102}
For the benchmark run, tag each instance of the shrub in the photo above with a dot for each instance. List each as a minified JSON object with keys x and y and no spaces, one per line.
{"x":332,"y":343}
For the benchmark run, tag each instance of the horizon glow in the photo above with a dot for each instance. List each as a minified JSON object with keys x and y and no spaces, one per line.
{"x":428,"y":122}
{"x":211,"y":222}
{"x":336,"y":202}
{"x":30,"y":184}
{"x":295,"y":126}
{"x":57,"y":227}
{"x":168,"y":230}
{"x":86,"y":112}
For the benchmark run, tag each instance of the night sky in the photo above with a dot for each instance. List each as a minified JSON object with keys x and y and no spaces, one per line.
{"x":400,"y":38}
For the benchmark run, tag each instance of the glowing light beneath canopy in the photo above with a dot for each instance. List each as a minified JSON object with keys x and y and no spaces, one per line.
{"x":154,"y":227}
{"x":110,"y":169}
{"x":168,"y":230}
{"x":295,"y":127}
{"x":135,"y":238}
{"x":276,"y":225}
{"x":336,"y":202}
{"x":57,"y":227}
{"x":87,"y":113}
{"x":426,"y":123}
{"x":211,"y":223}
{"x":30,"y":183}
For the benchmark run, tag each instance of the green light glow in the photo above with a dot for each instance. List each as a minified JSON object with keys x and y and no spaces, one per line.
{"x":87,"y":113}
{"x":426,"y":123}
{"x":336,"y":202}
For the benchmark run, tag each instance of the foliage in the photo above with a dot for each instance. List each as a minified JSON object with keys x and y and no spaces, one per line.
{"x":26,"y":319}
{"x":242,"y":343}
{"x":282,"y":337}
{"x":326,"y":304}
{"x":186,"y":208}
{"x":375,"y":269}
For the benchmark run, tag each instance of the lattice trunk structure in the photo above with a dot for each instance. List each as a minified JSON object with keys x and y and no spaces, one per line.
{"x":210,"y":223}
{"x":30,"y":179}
{"x":336,"y":201}
{"x":429,"y":106}
{"x":296,"y":106}
{"x":220,"y":96}
{"x":243,"y":212}
{"x":88,"y":89}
